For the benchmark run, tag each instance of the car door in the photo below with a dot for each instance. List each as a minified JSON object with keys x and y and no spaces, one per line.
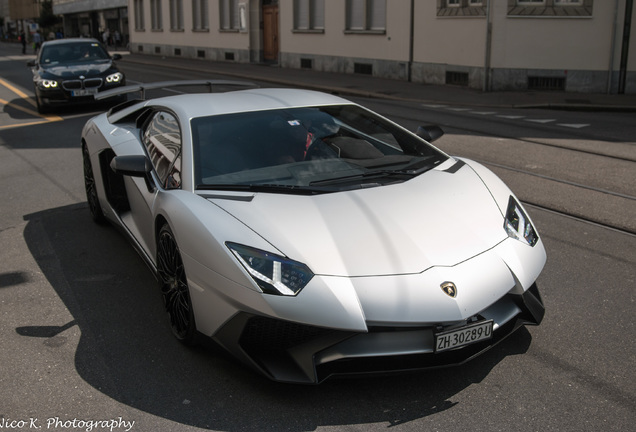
{"x":161,"y":138}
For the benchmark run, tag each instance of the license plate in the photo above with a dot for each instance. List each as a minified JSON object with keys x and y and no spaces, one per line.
{"x":462,"y":336}
{"x":84,"y":92}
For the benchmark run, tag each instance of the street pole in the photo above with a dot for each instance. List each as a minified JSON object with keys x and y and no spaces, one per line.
{"x":486,"y":86}
{"x":622,"y":77}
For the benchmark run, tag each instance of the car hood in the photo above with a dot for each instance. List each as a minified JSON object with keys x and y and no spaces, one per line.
{"x":76,"y":69}
{"x":439,"y":218}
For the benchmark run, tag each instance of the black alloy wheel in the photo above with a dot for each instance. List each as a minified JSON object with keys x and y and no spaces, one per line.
{"x":174,"y":287}
{"x":91,"y":191}
{"x":41,"y":106}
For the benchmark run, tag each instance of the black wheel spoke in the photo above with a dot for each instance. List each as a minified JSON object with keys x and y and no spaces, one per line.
{"x":91,"y":191}
{"x":174,"y":286}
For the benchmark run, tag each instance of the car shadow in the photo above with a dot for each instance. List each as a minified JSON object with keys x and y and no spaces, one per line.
{"x":127,"y":352}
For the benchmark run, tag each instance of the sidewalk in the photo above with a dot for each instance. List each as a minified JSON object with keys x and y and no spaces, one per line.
{"x":372,"y":87}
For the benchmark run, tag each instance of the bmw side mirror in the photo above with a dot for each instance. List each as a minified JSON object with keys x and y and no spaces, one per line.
{"x":116,"y":57}
{"x":134,"y":166}
{"x":430,"y":132}
{"x":31,"y":63}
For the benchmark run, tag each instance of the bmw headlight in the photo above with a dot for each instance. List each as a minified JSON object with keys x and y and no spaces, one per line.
{"x":518,"y":225}
{"x":274,"y":274}
{"x":47,"y":84}
{"x":114,"y":78}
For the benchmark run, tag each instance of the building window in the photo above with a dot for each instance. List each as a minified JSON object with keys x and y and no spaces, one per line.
{"x":309,"y":15}
{"x":366,"y":16}
{"x":176,"y":15}
{"x":200,"y":15}
{"x":461,"y":8}
{"x":155,"y":15}
{"x":229,"y":14}
{"x":139,"y":15}
{"x":551,"y":8}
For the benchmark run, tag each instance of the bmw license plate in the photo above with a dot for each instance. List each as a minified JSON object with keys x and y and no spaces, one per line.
{"x":462,"y":336}
{"x":84,"y":92}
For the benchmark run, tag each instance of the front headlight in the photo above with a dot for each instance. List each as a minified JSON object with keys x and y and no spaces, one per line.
{"x":518,"y":225}
{"x":114,"y":78}
{"x":47,"y":84}
{"x":274,"y":274}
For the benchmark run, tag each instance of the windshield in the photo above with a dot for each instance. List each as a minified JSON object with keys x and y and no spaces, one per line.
{"x":76,"y":52}
{"x":321,"y":149}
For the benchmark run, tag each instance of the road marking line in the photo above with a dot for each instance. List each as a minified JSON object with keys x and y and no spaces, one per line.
{"x":31,"y":112}
{"x":542,"y":121}
{"x":484,"y":112}
{"x":26,"y":124}
{"x":14,"y":89}
{"x":575,"y":126}
{"x":511,"y":117}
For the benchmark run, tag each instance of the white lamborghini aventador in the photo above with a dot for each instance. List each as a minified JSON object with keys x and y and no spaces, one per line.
{"x":310,"y":236}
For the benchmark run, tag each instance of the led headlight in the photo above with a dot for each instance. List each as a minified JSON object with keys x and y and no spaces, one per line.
{"x":274,"y":274}
{"x":518,"y":225}
{"x":47,"y":84}
{"x":114,"y":78}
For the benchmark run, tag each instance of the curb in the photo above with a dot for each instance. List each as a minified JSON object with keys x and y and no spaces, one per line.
{"x":342,"y":91}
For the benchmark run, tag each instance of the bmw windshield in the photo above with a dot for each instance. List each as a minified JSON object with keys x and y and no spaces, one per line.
{"x":306,"y":150}
{"x":72,"y":53}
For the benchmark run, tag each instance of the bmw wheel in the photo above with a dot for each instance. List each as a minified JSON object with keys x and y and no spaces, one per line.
{"x":174,"y":287}
{"x":91,"y":191}
{"x":41,"y":106}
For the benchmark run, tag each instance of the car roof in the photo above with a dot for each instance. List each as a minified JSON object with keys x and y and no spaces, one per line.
{"x":69,"y":40}
{"x":188,"y":106}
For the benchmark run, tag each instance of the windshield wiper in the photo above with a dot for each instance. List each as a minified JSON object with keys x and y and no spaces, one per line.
{"x":423,"y":165}
{"x":362,"y":176}
{"x":265,"y":187}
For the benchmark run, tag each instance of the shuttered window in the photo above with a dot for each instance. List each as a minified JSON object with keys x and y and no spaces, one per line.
{"x":176,"y":14}
{"x":229,"y":14}
{"x":309,"y":14}
{"x":366,"y":15}
{"x":200,"y":19}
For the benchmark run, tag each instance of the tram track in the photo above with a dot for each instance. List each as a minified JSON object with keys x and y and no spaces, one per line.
{"x":478,"y":131}
{"x":599,"y":204}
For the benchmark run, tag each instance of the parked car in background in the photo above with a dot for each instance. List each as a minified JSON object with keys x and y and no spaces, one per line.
{"x":73,"y":71}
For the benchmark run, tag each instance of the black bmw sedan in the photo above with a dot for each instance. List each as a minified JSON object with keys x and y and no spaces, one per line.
{"x":73,"y":71}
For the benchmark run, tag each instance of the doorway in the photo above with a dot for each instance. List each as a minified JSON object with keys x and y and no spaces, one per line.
{"x":270,"y":32}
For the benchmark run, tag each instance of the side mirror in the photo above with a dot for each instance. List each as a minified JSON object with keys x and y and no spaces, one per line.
{"x":31,"y":63}
{"x":430,"y":132}
{"x":134,"y":166}
{"x":116,"y":57}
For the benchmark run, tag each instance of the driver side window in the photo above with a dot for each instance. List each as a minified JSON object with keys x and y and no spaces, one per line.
{"x":162,"y":138}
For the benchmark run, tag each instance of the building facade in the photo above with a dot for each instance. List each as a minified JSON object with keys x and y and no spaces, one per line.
{"x":91,"y":18}
{"x":567,"y":45}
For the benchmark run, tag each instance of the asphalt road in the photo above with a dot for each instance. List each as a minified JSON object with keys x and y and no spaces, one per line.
{"x":84,"y":336}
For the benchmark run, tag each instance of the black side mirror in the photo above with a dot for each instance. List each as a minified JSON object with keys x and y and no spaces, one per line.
{"x":116,"y":57}
{"x":31,"y":63}
{"x":134,"y":166}
{"x":430,"y":132}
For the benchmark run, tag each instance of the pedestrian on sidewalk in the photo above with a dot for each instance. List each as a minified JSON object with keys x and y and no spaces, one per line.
{"x":37,"y":41}
{"x":23,"y":42}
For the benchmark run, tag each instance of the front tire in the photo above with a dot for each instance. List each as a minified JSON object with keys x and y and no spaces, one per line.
{"x":41,"y":106}
{"x":91,"y":191}
{"x":174,"y":287}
